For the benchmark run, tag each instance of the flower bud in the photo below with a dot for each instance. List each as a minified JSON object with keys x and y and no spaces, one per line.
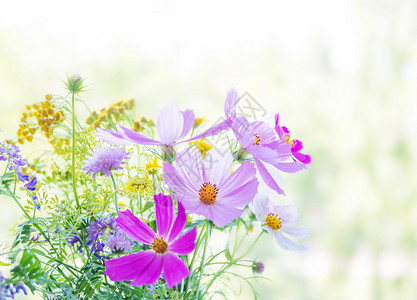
{"x":258,"y":267}
{"x":75,"y":84}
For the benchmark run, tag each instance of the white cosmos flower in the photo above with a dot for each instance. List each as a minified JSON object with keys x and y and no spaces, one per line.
{"x":277,"y":219}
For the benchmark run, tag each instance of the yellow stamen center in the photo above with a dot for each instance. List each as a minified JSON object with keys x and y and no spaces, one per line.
{"x":208,"y":193}
{"x":273,"y":221}
{"x":289,"y":140}
{"x":160,"y":246}
{"x":257,"y":139}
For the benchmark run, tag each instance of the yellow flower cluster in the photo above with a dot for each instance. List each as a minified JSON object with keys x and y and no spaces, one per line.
{"x":139,"y":185}
{"x":152,"y":167}
{"x":202,"y":146}
{"x":113,"y":113}
{"x":46,"y":116}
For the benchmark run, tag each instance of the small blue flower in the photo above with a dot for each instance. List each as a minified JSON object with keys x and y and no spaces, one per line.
{"x":31,"y":185}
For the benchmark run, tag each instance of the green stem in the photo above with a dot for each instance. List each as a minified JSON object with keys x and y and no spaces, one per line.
{"x":193,"y":260}
{"x":115,"y":193}
{"x":204,"y":256}
{"x":73,"y":152}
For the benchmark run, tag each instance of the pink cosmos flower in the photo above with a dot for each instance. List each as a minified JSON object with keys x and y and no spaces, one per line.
{"x":172,"y":126}
{"x":277,"y":220}
{"x":145,"y":267}
{"x":269,"y":148}
{"x":205,"y":186}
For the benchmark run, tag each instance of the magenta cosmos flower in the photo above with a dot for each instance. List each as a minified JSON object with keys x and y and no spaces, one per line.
{"x":207,"y":186}
{"x":104,"y":159}
{"x":145,"y":267}
{"x":172,"y":126}
{"x":277,"y":220}
{"x":270,"y":148}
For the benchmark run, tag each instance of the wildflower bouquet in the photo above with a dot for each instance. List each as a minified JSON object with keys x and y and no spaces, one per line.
{"x":120,"y":208}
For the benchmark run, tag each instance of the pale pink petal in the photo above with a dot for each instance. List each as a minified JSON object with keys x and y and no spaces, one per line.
{"x":185,"y":244}
{"x":179,"y":223}
{"x":135,"y":228}
{"x":130,"y":266}
{"x":288,"y":213}
{"x":273,"y":181}
{"x":149,"y":274}
{"x":189,"y":119}
{"x":170,"y":124}
{"x":175,"y":270}
{"x":164,"y":211}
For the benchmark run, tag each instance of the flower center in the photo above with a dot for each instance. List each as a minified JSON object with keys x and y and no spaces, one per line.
{"x":160,"y":246}
{"x":289,"y":140}
{"x":273,"y":221}
{"x":208,"y":193}
{"x":257,"y":139}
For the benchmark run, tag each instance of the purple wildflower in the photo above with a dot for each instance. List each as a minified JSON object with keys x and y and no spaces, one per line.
{"x":96,"y":230}
{"x":16,"y":161}
{"x":205,"y":186}
{"x":31,"y":185}
{"x":172,"y":126}
{"x":117,"y":241}
{"x":277,"y":220}
{"x":103,"y":159}
{"x":35,"y":201}
{"x":9,"y":290}
{"x":145,"y":267}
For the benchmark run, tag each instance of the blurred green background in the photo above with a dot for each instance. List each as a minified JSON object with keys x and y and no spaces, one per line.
{"x":343,"y":75}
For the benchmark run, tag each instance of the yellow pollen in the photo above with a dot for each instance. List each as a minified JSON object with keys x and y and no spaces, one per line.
{"x":273,"y":221}
{"x":160,"y":246}
{"x":289,"y":140}
{"x":208,"y":193}
{"x":258,"y":139}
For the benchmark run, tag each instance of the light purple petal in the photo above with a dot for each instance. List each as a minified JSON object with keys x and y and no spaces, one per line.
{"x":178,"y":183}
{"x":245,"y":173}
{"x":164,"y":211}
{"x":189,"y":119}
{"x":179,"y":223}
{"x":223,"y":214}
{"x":223,"y":125}
{"x":185,"y":244}
{"x":175,"y":270}
{"x":135,"y":228}
{"x":218,"y":166}
{"x":273,"y":181}
{"x":241,"y":196}
{"x":296,"y":231}
{"x":170,"y":124}
{"x":288,"y":213}
{"x":287,"y":244}
{"x":150,"y":273}
{"x":135,"y":137}
{"x":112,"y":137}
{"x":290,"y":167}
{"x":190,"y":166}
{"x":230,"y":104}
{"x":130,"y":266}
